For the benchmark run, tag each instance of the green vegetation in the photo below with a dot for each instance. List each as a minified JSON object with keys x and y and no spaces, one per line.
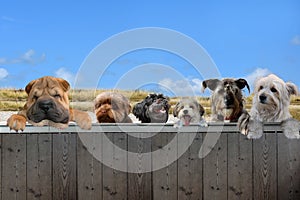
{"x":13,"y":100}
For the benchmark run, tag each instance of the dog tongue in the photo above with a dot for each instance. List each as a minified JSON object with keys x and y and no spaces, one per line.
{"x":187,"y":120}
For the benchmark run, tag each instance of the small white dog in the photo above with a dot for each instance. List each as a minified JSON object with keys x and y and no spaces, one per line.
{"x":189,"y":111}
{"x":270,"y":104}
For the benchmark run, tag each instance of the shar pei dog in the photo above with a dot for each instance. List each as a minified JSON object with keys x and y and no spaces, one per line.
{"x":48,"y":104}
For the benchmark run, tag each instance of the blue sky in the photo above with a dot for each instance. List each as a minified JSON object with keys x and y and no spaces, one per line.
{"x":56,"y":37}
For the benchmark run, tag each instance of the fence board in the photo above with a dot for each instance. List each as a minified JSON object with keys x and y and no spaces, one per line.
{"x":215,"y":171}
{"x":64,"y":166}
{"x":239,"y":167}
{"x":89,"y":169}
{"x":165,"y":179}
{"x":114,"y":181}
{"x":139,"y":183}
{"x":190,"y":169}
{"x":288,"y":168}
{"x":13,"y":166}
{"x":265,"y":167}
{"x":39,"y":166}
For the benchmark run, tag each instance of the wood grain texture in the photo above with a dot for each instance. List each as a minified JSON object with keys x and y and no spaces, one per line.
{"x":139,"y":183}
{"x":215,"y":171}
{"x":288,"y":168}
{"x":239,"y":167}
{"x":265,"y":167}
{"x":114,"y":181}
{"x":64,"y":166}
{"x":89,"y":169}
{"x":165,"y":179}
{"x":190,"y":178}
{"x":39,"y":166}
{"x":13,"y":166}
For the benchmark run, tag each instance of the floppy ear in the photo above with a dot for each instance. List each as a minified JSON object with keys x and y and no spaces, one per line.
{"x":29,"y":86}
{"x":64,"y":84}
{"x":210,"y":83}
{"x":175,"y":111}
{"x":138,"y":110}
{"x":241,"y":83}
{"x":292,"y":88}
{"x":201,"y":109}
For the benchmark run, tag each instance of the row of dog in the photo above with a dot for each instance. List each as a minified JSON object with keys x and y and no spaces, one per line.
{"x":48,"y":104}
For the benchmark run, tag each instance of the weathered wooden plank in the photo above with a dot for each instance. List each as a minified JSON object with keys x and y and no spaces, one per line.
{"x":239,"y":167}
{"x":13,"y":166}
{"x":288,"y":168}
{"x":64,"y":166}
{"x":215,"y":171}
{"x":114,"y":181}
{"x":39,"y":166}
{"x":1,"y":166}
{"x":190,"y":180}
{"x":265,"y":167}
{"x":165,"y":179}
{"x":89,"y":169}
{"x":139,"y":162}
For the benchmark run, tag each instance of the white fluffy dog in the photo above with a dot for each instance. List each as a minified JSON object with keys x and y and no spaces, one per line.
{"x":270,"y":104}
{"x":188,"y":110}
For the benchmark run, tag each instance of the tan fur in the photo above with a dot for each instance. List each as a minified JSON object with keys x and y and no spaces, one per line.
{"x":111,"y":107}
{"x":54,"y":90}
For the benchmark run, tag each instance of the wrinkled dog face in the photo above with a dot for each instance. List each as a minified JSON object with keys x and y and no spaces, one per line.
{"x":272,"y":98}
{"x":153,"y":109}
{"x":188,"y":111}
{"x":112,"y":107}
{"x":227,"y":98}
{"x":47,"y":101}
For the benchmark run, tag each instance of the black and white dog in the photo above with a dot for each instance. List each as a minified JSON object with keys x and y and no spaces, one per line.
{"x":153,"y":109}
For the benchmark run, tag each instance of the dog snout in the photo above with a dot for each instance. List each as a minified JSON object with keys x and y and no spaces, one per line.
{"x":262,"y":98}
{"x":185,"y":112}
{"x":228,"y":100}
{"x":46,"y":105}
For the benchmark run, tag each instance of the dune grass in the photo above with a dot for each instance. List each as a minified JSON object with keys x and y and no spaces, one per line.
{"x":14,"y":100}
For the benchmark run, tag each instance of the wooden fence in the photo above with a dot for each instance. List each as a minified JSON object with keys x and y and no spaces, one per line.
{"x":46,"y":163}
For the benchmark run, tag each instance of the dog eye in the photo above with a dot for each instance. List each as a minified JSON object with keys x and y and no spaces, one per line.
{"x":57,"y":96}
{"x":35,"y":97}
{"x":192,"y":107}
{"x":273,"y":90}
{"x":260,"y":88}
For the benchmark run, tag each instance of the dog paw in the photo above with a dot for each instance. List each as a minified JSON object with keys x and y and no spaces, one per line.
{"x":243,"y":123}
{"x":255,"y":129}
{"x":203,"y":123}
{"x":16,"y":122}
{"x":291,"y":128}
{"x":178,"y":124}
{"x":85,"y":122}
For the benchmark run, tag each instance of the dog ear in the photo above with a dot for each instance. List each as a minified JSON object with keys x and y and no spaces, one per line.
{"x":292,"y":88}
{"x":64,"y":84}
{"x":210,"y":83}
{"x":241,"y":83}
{"x":201,"y":109}
{"x":175,"y":112}
{"x":29,"y":86}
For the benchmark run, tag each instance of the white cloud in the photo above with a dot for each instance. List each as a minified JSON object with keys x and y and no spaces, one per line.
{"x":296,"y":40}
{"x":3,"y":73}
{"x":65,"y":74}
{"x":29,"y":57}
{"x":184,"y":87}
{"x":257,"y":73}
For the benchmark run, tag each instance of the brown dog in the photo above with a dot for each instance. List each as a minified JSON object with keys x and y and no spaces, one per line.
{"x":48,"y":104}
{"x":111,"y":107}
{"x":227,"y":99}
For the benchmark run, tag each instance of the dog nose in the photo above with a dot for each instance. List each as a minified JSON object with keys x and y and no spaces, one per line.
{"x":262,"y":98}
{"x":228,"y":100}
{"x":46,"y":105}
{"x":185,"y":112}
